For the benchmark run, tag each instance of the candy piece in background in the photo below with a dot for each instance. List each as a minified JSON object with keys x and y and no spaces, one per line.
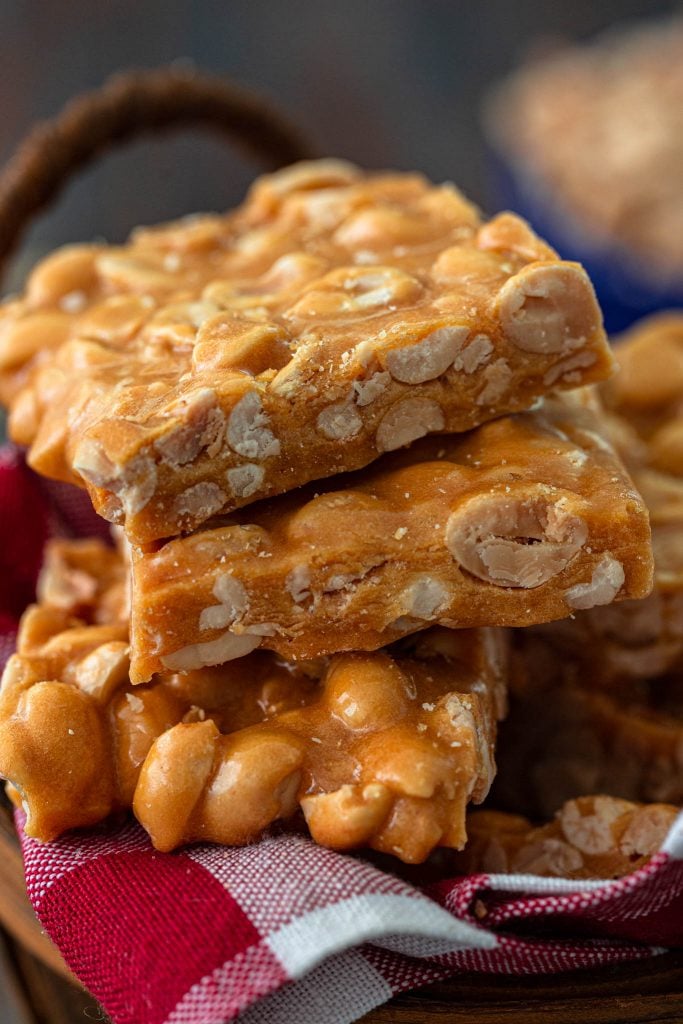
{"x":587,"y":144}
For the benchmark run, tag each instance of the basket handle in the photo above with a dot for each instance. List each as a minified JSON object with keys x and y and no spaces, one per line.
{"x":127,"y":105}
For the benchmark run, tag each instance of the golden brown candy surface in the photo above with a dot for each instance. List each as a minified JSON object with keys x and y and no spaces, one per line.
{"x":332,"y":317}
{"x":592,"y":837}
{"x":383,"y":749}
{"x":598,"y":699}
{"x":526,"y":519}
{"x":647,"y":392}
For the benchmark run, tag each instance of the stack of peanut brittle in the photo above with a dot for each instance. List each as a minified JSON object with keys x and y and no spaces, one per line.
{"x":345,"y":436}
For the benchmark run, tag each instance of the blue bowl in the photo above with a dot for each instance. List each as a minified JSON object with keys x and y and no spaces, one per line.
{"x":625,"y":292}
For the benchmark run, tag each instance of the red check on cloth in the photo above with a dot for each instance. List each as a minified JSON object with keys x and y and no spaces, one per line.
{"x":284,"y":931}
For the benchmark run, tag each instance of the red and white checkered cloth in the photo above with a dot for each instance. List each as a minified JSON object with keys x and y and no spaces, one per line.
{"x":285,"y":932}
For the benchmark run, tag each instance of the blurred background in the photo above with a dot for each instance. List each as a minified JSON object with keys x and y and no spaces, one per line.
{"x":386,"y":83}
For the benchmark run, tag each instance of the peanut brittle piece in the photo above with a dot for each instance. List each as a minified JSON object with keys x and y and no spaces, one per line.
{"x":526,"y":519}
{"x":566,"y":737}
{"x":598,"y":700}
{"x":383,"y":750}
{"x":591,"y":837}
{"x":87,"y":579}
{"x":638,"y":639}
{"x":334,"y":316}
{"x":648,"y":391}
{"x":386,"y":750}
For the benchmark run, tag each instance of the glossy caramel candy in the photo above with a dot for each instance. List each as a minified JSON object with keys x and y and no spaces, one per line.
{"x":592,"y":837}
{"x":383,"y":749}
{"x":529,"y":518}
{"x":334,"y":316}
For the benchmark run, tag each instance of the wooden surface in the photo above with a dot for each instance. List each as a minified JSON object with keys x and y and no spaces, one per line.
{"x":16,"y":913}
{"x":31,"y":993}
{"x":650,"y":992}
{"x":34,"y":988}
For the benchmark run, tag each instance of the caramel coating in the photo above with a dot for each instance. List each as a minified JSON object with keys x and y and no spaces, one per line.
{"x":383,"y":749}
{"x":526,"y":519}
{"x":334,"y":316}
{"x":591,"y":837}
{"x":86,"y":579}
{"x":598,"y":699}
{"x":648,"y":391}
{"x":639,"y":639}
